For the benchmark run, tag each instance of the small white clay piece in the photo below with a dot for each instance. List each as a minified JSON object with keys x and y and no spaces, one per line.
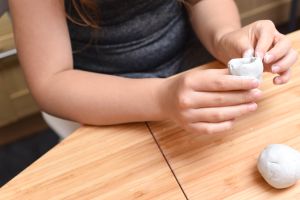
{"x":249,"y":67}
{"x":279,"y":164}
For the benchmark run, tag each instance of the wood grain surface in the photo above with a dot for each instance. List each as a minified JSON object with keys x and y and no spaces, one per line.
{"x":223,"y":166}
{"x":114,"y":162}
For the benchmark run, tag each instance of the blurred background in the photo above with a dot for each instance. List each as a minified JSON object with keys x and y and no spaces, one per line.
{"x":24,"y":135}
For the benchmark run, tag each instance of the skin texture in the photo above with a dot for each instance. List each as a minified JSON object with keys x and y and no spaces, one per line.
{"x":201,"y":101}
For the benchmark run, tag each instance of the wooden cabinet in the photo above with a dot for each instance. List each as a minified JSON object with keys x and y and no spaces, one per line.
{"x":6,"y":34}
{"x":276,"y":10}
{"x":15,"y":99}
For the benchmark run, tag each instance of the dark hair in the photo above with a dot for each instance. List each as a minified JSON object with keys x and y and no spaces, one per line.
{"x":87,"y":12}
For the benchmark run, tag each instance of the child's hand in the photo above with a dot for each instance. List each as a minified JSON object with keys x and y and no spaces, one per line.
{"x":207,"y":101}
{"x":263,"y":40}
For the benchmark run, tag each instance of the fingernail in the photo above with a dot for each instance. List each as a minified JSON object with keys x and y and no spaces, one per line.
{"x":255,"y":82}
{"x":259,"y":54}
{"x":278,"y":81}
{"x":275,"y":69}
{"x":248,"y":53}
{"x":256,"y":93}
{"x":252,"y":106}
{"x":268,"y":58}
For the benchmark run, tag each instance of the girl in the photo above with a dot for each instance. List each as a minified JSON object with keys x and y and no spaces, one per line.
{"x":117,"y":61}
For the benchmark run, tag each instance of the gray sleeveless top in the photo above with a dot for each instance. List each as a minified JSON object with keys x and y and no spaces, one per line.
{"x":137,"y":38}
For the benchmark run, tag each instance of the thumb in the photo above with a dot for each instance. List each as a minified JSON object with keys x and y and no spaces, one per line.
{"x":264,"y":33}
{"x":245,"y":47}
{"x":248,"y":53}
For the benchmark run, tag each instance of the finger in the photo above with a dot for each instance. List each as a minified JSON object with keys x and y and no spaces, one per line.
{"x":210,"y":128}
{"x":223,"y":83}
{"x":248,"y":53}
{"x":265,"y":38}
{"x":220,"y":114}
{"x":280,"y":49}
{"x":221,"y":99}
{"x":283,"y":78}
{"x":244,"y":47}
{"x":286,"y":62}
{"x":222,"y":71}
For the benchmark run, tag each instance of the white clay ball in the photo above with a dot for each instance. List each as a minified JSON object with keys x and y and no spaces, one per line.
{"x":249,"y":67}
{"x":279,"y":165}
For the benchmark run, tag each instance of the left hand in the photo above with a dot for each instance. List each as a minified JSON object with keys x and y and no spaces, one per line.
{"x":263,"y":40}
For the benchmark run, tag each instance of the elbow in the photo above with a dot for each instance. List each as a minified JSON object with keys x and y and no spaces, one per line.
{"x":43,"y":90}
{"x":40,"y":95}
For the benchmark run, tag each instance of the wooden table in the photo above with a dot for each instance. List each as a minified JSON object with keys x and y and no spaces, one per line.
{"x":161,"y":161}
{"x":224,"y":166}
{"x":117,"y":162}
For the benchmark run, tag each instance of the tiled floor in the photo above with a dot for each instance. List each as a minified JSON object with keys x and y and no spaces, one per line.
{"x":21,"y":143}
{"x":16,"y":156}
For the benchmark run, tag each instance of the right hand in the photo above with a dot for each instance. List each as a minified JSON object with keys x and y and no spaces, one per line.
{"x":208,"y":101}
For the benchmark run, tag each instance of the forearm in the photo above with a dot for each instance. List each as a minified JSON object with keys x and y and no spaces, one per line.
{"x":211,"y":19}
{"x":60,"y":90}
{"x":98,"y":99}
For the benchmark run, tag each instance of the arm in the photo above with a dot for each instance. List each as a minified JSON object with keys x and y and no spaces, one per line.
{"x":211,"y":19}
{"x":44,"y":50}
{"x":225,"y":39}
{"x":199,"y":101}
